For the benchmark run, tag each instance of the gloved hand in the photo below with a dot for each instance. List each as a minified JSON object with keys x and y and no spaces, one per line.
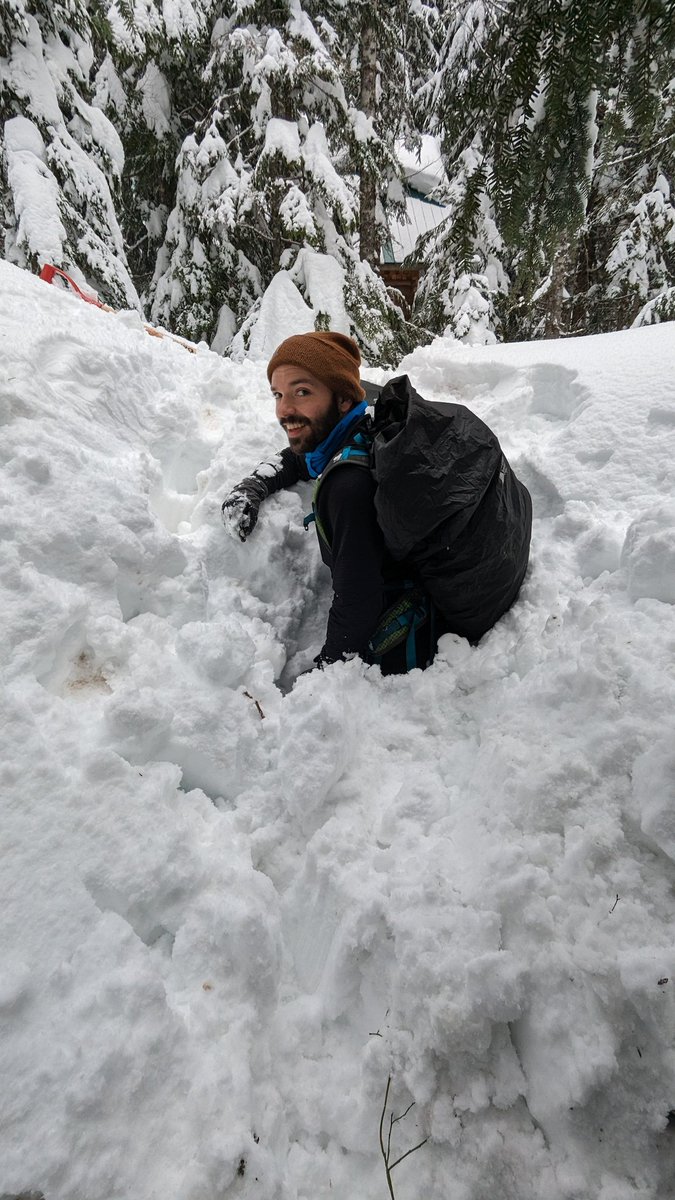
{"x":240,"y":512}
{"x":318,"y":664}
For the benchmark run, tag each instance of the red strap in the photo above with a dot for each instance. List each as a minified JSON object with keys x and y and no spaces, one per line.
{"x":48,"y":272}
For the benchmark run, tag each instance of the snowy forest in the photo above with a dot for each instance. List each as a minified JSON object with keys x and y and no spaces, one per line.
{"x":178,"y":155}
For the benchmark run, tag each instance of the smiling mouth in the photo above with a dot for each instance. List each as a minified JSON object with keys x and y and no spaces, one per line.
{"x":294,"y":426}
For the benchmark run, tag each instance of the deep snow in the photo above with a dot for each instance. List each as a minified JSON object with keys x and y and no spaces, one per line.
{"x":232,"y":909}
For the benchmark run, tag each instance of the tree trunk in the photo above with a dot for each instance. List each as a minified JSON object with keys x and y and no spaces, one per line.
{"x":555,"y":297}
{"x":369,"y":237}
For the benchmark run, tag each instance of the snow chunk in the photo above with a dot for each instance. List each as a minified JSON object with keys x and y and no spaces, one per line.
{"x":423,"y":166}
{"x":648,"y":554}
{"x":653,"y":792}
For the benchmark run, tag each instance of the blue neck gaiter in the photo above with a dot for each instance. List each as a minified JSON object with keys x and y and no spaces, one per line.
{"x":318,"y":459}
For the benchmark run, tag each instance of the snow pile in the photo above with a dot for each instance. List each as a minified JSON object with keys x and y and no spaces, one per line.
{"x":235,"y":908}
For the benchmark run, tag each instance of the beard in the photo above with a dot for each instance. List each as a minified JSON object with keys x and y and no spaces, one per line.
{"x":313,"y":430}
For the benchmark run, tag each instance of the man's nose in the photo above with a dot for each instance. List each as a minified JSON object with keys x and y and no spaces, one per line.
{"x":283,"y":407}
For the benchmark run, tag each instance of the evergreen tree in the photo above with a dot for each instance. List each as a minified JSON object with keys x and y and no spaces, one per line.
{"x":384,"y":49}
{"x":213,"y":149}
{"x":549,"y":87}
{"x":61,"y":158}
{"x":240,"y":200}
{"x":465,"y":260}
{"x":149,"y":81}
{"x":627,"y":248}
{"x":265,"y":182}
{"x":523,"y":78}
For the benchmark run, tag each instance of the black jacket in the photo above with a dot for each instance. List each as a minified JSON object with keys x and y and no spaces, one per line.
{"x":356,"y":556}
{"x":355,"y":552}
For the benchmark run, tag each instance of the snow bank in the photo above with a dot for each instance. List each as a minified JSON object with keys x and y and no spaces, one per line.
{"x":235,"y":908}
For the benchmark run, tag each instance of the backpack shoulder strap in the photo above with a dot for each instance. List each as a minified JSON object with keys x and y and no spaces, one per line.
{"x":357,"y":452}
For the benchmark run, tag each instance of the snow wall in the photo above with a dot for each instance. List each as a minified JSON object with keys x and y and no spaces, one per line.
{"x":235,"y":906}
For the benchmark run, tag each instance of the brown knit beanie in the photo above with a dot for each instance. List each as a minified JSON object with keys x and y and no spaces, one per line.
{"x":333,"y":358}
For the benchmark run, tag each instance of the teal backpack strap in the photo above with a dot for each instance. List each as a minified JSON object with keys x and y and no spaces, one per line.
{"x":357,"y":452}
{"x":400,"y":623}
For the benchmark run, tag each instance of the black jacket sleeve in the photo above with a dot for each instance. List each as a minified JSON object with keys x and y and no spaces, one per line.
{"x":240,"y":507}
{"x":281,"y":470}
{"x":355,"y":559}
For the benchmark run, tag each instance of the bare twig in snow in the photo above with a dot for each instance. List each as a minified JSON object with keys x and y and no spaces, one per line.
{"x":260,"y":711}
{"x":386,"y":1150}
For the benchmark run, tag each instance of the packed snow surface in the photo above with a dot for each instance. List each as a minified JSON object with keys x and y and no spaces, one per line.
{"x":237,"y":902}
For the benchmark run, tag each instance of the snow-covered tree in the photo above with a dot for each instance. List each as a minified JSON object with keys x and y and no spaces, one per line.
{"x":149,"y":81}
{"x":240,"y":201}
{"x":266,"y":180}
{"x":62,"y":159}
{"x":523,"y":78}
{"x":641,"y":264}
{"x":627,"y":249}
{"x":463,"y":256}
{"x":384,"y":49}
{"x":552,"y":91}
{"x":199,"y":151}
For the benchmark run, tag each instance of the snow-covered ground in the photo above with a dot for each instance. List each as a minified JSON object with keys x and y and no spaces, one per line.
{"x":233,"y":908}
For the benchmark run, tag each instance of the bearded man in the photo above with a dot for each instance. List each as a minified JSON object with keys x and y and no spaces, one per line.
{"x":381,"y":608}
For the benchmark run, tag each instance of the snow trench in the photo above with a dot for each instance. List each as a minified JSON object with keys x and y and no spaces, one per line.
{"x":250,"y":918}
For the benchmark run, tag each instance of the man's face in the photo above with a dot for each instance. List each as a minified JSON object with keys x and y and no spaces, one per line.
{"x":306,"y":409}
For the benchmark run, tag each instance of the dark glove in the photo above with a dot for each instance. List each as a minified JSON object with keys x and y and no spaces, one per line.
{"x":323,"y":660}
{"x":318,"y":664}
{"x":240,"y":508}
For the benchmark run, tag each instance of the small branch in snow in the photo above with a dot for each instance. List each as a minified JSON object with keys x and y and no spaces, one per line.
{"x":614,"y":904}
{"x":417,"y":1147}
{"x":386,"y":1150}
{"x":376,"y":1032}
{"x":260,"y":711}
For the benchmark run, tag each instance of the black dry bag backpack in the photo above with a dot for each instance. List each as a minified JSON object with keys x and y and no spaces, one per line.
{"x":449,"y":504}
